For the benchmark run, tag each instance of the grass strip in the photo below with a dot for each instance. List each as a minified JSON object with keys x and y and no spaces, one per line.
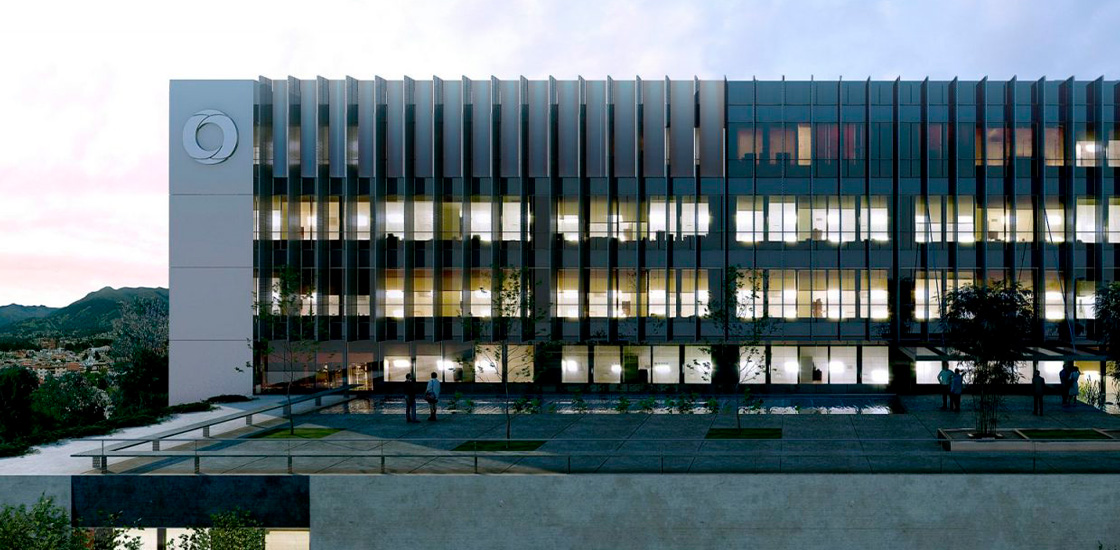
{"x":499,"y":445}
{"x":1063,"y":434}
{"x":744,"y":433}
{"x":300,"y":433}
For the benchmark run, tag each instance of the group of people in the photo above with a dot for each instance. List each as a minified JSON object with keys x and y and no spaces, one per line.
{"x":431,"y":395}
{"x":952,"y":385}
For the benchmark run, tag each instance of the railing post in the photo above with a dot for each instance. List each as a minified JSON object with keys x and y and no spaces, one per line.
{"x":248,"y":420}
{"x":206,"y":431}
{"x":290,"y":464}
{"x":383,"y":463}
{"x":569,"y":464}
{"x":197,"y":464}
{"x":155,"y":444}
{"x":476,"y":463}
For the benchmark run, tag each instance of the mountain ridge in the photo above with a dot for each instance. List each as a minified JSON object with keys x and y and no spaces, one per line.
{"x":90,"y":315}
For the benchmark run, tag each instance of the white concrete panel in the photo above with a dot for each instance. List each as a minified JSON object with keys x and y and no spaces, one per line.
{"x":211,"y":231}
{"x":211,"y":303}
{"x":201,"y":369}
{"x":233,"y":176}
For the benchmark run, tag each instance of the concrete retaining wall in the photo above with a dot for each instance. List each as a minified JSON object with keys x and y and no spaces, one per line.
{"x":26,"y":490}
{"x":715,"y":511}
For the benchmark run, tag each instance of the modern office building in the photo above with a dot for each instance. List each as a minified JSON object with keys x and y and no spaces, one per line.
{"x":621,"y":207}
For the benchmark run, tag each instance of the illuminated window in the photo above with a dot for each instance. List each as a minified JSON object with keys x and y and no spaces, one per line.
{"x":1085,"y":222}
{"x":597,"y":293}
{"x":1085,"y":300}
{"x":752,"y":365}
{"x":784,"y":367}
{"x":876,"y":365}
{"x":626,"y":222}
{"x":422,"y":294}
{"x":694,"y":292}
{"x":996,"y":140}
{"x":279,"y":219}
{"x":666,"y":365}
{"x":930,"y":291}
{"x":1114,"y":220}
{"x":362,"y":218}
{"x":394,"y":293}
{"x":480,"y":294}
{"x":1087,"y":152}
{"x":999,"y":226}
{"x":1054,"y":228}
{"x":750,"y":296}
{"x":308,"y":226}
{"x":782,"y":293}
{"x":451,"y":220}
{"x":873,"y":295}
{"x":660,"y":222}
{"x":567,"y":219}
{"x":781,"y":221}
{"x":394,"y":217}
{"x":656,"y":292}
{"x":960,"y":216}
{"x":698,"y":365}
{"x":567,"y":293}
{"x":749,"y":219}
{"x":598,"y":224}
{"x":695,"y":218}
{"x":574,"y":362}
{"x":625,"y":294}
{"x":804,"y":145}
{"x":831,"y":218}
{"x":481,"y":224}
{"x":874,"y":221}
{"x":1024,"y":220}
{"x":1113,"y":152}
{"x":608,"y":365}
{"x":1055,"y":145}
{"x":927,"y":220}
{"x":1024,"y":142}
{"x":1055,"y":304}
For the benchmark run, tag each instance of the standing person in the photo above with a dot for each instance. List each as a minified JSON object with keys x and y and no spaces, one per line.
{"x":1063,"y":381}
{"x":431,"y":395}
{"x":944,"y":378}
{"x":410,"y":399}
{"x":1074,"y":374}
{"x":1038,"y":389}
{"x":956,"y":387}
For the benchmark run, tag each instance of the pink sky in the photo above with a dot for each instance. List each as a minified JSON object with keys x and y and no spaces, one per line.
{"x":83,"y":151}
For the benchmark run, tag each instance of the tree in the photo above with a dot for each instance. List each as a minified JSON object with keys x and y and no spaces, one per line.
{"x":286,"y":332}
{"x":993,"y":327}
{"x":514,"y":316}
{"x":1108,"y":325}
{"x":743,"y":323}
{"x":236,"y":530}
{"x":69,"y":400}
{"x":140,"y":356}
{"x":46,"y":526}
{"x":17,"y":385}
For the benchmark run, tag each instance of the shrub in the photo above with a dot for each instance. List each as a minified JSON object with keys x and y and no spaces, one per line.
{"x":623,"y":405}
{"x":17,"y":385}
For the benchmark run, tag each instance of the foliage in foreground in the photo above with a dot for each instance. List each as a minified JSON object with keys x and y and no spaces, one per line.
{"x":235,"y":530}
{"x":993,"y":327}
{"x":46,"y":526}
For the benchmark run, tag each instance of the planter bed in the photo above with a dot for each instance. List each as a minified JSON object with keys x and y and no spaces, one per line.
{"x":1032,"y":439}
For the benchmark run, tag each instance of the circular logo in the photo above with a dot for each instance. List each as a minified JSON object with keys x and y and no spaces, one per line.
{"x":223,"y":123}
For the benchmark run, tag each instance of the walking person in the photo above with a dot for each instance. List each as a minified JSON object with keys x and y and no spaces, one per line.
{"x":1074,"y":375}
{"x":1063,"y":382}
{"x":956,"y":387}
{"x":944,"y":378}
{"x":1038,"y":389}
{"x":410,"y":399}
{"x":431,"y":395}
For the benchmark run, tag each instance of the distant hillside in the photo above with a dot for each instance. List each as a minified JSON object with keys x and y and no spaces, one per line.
{"x":94,"y":314}
{"x":15,"y":313}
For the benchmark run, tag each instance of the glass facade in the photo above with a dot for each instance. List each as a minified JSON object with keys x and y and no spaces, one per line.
{"x":620,"y":206}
